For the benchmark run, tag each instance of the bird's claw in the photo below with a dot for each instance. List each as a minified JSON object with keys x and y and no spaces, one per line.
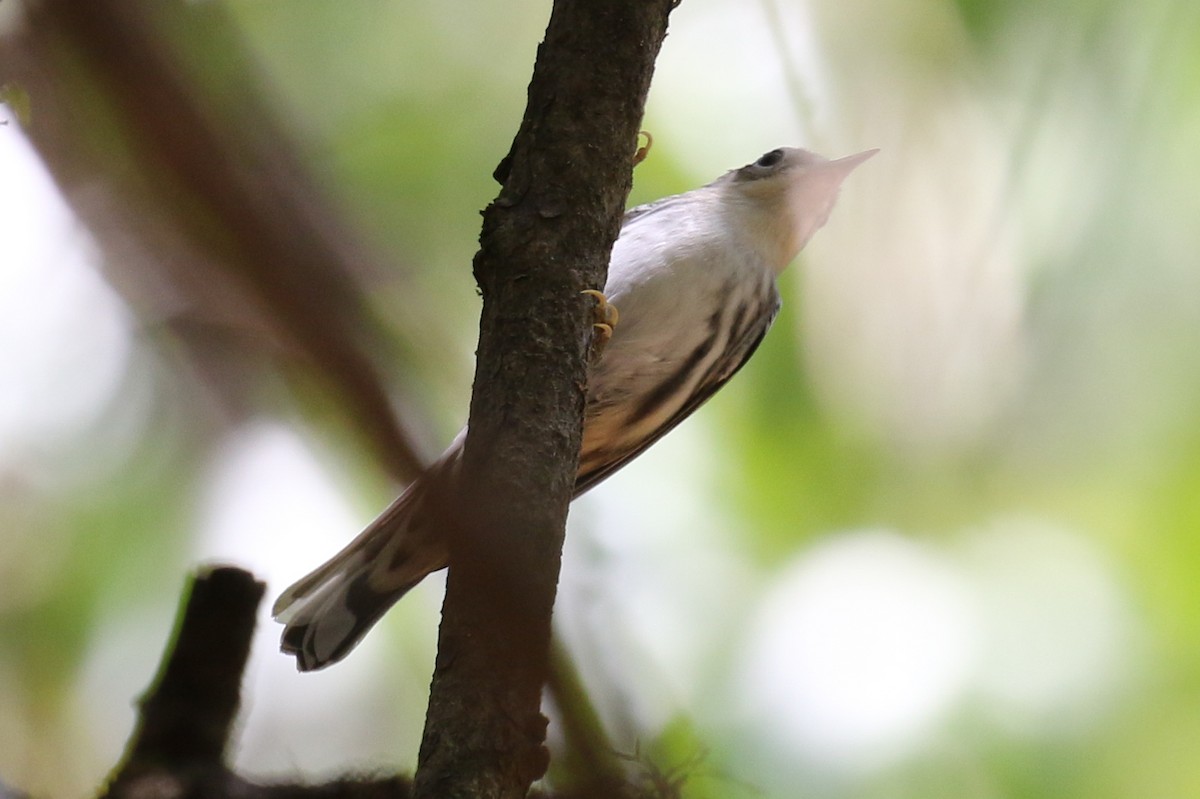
{"x":604,"y":321}
{"x":643,"y":150}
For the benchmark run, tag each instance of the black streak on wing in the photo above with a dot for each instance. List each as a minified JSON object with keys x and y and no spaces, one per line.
{"x":717,"y":376}
{"x":672,"y":384}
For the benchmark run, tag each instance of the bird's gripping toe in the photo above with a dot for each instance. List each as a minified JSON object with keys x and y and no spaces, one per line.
{"x":643,"y":150}
{"x":604,"y":321}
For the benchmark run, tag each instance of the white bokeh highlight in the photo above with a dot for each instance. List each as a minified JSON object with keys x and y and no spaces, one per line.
{"x":65,"y":336}
{"x":859,"y":648}
{"x":1061,"y":638}
{"x":273,"y":507}
{"x":869,"y":648}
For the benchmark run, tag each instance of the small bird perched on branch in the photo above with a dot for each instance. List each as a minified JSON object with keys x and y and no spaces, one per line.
{"x":694,"y":278}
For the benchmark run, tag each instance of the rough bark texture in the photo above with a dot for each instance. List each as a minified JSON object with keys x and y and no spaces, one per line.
{"x":545,"y":238}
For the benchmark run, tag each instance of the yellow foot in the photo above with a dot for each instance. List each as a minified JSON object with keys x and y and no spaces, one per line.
{"x":604,"y":320}
{"x":644,"y":150}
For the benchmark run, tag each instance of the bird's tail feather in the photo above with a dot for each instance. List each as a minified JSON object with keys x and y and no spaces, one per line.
{"x":327,"y":612}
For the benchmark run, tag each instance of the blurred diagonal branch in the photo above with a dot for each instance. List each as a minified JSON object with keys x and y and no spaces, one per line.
{"x":227,"y":233}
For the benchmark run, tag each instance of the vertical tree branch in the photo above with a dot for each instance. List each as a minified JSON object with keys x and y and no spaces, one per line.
{"x":545,"y":238}
{"x":186,"y":715}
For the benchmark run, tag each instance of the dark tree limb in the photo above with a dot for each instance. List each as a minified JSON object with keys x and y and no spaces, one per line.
{"x":190,"y":708}
{"x":187,"y":713}
{"x":545,"y":238}
{"x":177,"y":750}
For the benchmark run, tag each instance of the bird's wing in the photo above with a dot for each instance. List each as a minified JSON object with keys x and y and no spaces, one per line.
{"x":642,"y":211}
{"x":718,"y":375}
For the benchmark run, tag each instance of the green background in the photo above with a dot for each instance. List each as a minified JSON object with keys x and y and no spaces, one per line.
{"x":940,"y":538}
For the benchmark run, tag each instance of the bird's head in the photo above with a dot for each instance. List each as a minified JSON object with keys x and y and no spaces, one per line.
{"x":786,"y":195}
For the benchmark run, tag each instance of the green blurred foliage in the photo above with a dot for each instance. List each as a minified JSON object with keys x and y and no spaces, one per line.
{"x":1075,"y":121}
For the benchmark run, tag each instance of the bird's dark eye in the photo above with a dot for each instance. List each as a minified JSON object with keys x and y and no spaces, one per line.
{"x":770,"y":159}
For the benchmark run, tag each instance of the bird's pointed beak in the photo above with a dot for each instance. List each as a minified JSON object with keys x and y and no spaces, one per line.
{"x":844,"y":166}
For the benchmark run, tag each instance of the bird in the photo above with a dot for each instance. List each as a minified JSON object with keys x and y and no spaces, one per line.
{"x":694,"y":278}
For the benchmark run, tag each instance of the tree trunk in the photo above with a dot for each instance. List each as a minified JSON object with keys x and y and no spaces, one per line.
{"x":546,"y":238}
